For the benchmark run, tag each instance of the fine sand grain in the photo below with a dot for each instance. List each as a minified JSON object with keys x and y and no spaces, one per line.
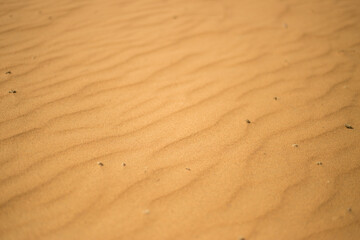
{"x":180,"y":119}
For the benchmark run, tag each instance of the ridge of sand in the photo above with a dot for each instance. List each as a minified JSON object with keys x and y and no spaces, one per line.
{"x":129,"y":119}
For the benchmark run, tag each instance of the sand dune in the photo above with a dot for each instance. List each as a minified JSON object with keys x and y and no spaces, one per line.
{"x":128,"y":119}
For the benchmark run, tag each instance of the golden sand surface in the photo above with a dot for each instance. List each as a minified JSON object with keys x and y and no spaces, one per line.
{"x":180,"y":119}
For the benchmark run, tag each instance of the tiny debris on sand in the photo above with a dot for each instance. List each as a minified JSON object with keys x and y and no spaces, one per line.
{"x":188,"y":169}
{"x":100,"y":164}
{"x":248,"y":121}
{"x":275,"y":98}
{"x":12,"y":91}
{"x":124,"y":164}
{"x":295,"y":145}
{"x":8,"y":72}
{"x":349,"y":210}
{"x":241,"y":238}
{"x":319,"y":163}
{"x":348,"y":126}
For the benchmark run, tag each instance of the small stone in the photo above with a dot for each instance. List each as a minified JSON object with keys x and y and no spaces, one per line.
{"x":295,"y":145}
{"x":242,"y":238}
{"x":188,"y":169}
{"x":100,"y":164}
{"x":275,"y":98}
{"x":348,"y":126}
{"x":12,"y":91}
{"x":248,"y":121}
{"x":349,"y":210}
{"x":8,"y":72}
{"x":319,"y":163}
{"x":124,"y":164}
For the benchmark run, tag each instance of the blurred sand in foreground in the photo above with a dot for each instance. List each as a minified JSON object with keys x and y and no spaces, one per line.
{"x":180,"y":119}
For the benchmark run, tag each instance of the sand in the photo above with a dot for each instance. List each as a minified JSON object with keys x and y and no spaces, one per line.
{"x":180,"y":119}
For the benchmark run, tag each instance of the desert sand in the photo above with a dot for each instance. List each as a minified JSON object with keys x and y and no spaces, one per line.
{"x":180,"y":119}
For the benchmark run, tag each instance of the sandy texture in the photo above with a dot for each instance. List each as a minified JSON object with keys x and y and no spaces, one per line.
{"x":128,"y":119}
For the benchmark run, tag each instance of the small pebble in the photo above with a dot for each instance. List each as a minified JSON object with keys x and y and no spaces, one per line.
{"x":349,"y":210}
{"x":348,"y":126}
{"x":100,"y":163}
{"x":295,"y":145}
{"x":275,"y":98}
{"x":242,"y":238}
{"x":124,"y":164}
{"x":319,"y":163}
{"x":188,"y":169}
{"x":8,"y":72}
{"x":248,"y":121}
{"x":12,"y":91}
